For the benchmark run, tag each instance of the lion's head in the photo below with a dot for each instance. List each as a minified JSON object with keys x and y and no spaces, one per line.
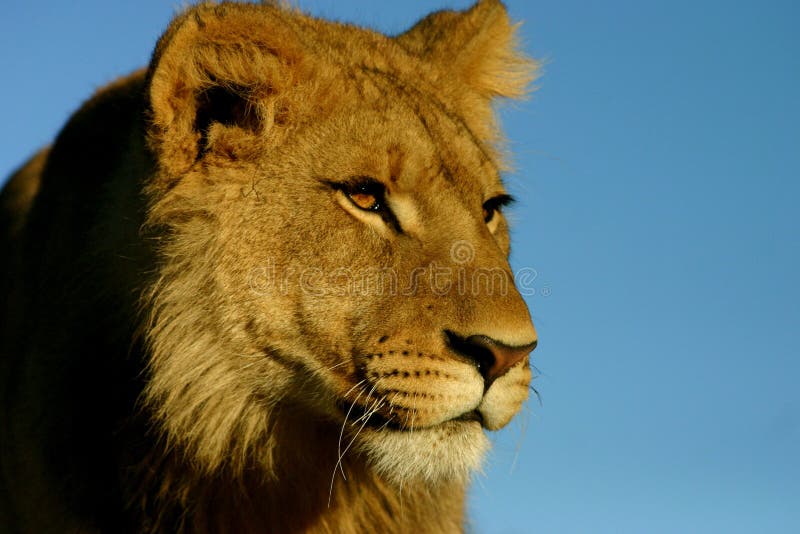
{"x":335,"y":245}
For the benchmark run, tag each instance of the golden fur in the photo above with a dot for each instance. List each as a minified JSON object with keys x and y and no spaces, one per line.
{"x":204,"y":333}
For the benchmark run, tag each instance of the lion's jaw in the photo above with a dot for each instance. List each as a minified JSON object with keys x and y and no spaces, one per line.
{"x":449,"y":451}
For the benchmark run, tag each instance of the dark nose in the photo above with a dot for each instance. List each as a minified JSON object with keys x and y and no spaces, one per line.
{"x":493,"y":358}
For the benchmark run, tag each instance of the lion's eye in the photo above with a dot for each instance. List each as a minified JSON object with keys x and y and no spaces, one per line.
{"x":364,"y":200}
{"x":366,"y":194}
{"x":494,"y":205}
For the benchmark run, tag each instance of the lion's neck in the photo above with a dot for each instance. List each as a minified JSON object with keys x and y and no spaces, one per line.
{"x":307,"y":492}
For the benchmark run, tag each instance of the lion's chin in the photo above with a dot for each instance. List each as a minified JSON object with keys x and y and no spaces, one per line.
{"x":449,"y":452}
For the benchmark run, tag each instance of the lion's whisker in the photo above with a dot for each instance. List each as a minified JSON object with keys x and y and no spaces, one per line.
{"x":536,"y":392}
{"x":332,"y":367}
{"x":368,"y":413}
{"x":344,"y":425}
{"x":341,"y":434}
{"x":340,"y":454}
{"x":414,"y":412}
{"x":354,"y":387}
{"x":366,"y":417}
{"x":366,"y":420}
{"x":522,"y":430}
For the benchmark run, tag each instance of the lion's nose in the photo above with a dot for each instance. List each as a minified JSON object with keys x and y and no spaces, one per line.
{"x":493,"y":357}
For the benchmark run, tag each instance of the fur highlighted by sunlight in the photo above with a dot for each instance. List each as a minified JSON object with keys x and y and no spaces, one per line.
{"x":262,"y":285}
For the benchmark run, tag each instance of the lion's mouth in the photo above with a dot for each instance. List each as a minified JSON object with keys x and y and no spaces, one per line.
{"x":362,"y":417}
{"x":473,"y":415}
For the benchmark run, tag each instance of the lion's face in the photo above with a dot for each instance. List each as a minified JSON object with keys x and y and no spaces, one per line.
{"x":392,"y":254}
{"x":357,"y":269}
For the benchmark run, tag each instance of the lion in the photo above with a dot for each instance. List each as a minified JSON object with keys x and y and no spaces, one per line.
{"x":263,"y":285}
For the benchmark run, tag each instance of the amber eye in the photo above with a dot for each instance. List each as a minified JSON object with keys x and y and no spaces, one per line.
{"x":494,"y":205}
{"x":366,"y":194}
{"x":365,"y":201}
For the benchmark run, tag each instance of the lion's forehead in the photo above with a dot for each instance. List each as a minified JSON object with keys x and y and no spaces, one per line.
{"x":409,"y":137}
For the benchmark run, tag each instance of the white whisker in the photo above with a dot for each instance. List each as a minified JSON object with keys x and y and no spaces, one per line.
{"x":367,"y":414}
{"x":341,"y":434}
{"x":332,"y":367}
{"x":522,"y":430}
{"x":414,"y":414}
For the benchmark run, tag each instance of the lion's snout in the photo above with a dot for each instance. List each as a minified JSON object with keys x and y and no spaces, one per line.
{"x":424,"y":382}
{"x":492,"y":357}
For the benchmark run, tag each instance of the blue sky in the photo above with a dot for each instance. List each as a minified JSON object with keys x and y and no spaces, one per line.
{"x":658,"y":173}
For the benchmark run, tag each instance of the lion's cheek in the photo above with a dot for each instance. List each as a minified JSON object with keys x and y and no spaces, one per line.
{"x":505,"y":398}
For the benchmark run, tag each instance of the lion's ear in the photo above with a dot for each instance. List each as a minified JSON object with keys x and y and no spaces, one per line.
{"x":478,"y":46}
{"x":220,"y":76}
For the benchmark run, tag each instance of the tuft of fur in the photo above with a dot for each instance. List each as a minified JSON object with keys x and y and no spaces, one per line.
{"x":204,"y":333}
{"x":434,"y":460}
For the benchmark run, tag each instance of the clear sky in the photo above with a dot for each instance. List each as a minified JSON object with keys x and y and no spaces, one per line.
{"x":658,"y":172}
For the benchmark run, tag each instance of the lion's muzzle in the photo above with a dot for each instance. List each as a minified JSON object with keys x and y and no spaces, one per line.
{"x":493,"y":358}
